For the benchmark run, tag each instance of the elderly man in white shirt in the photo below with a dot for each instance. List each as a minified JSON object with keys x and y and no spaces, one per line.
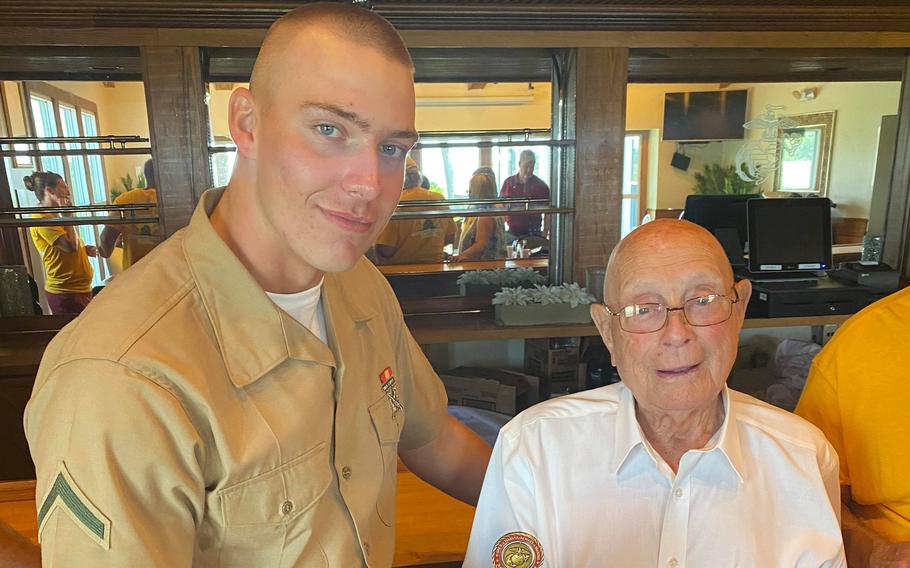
{"x":668,"y":468}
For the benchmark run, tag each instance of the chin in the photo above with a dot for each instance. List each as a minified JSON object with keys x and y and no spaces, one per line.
{"x":337,"y":260}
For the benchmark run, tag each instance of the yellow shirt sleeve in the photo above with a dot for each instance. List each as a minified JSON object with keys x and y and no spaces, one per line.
{"x":819,"y":405}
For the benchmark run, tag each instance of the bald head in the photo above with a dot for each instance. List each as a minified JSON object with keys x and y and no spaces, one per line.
{"x":305,"y":24}
{"x":664,"y":242}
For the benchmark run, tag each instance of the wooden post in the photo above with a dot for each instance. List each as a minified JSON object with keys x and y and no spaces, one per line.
{"x":175,"y":96}
{"x":600,"y":131}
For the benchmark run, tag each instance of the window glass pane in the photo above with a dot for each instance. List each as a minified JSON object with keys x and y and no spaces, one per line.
{"x":99,"y":187}
{"x":629,"y":215}
{"x":631,"y":171}
{"x":799,"y":160}
{"x":78,"y":181}
{"x":46,"y":126}
{"x":449,"y":170}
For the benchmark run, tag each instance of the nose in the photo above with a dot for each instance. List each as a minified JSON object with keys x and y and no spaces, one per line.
{"x":677,"y":332}
{"x":363,"y":177}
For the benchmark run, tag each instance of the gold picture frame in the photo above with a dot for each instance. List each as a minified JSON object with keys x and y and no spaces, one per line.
{"x":804,"y":153}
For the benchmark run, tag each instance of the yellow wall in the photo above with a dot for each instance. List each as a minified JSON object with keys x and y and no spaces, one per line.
{"x":859,"y":107}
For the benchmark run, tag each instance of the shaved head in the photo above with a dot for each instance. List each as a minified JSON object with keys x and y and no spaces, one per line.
{"x":345,"y":21}
{"x":661,"y":238}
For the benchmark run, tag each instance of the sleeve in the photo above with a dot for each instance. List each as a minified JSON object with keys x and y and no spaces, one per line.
{"x":424,"y":396}
{"x":819,"y":405}
{"x":119,"y":469}
{"x":506,"y":505}
{"x":48,"y":234}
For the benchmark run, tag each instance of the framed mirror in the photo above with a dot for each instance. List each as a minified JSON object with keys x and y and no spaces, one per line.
{"x":804,"y":153}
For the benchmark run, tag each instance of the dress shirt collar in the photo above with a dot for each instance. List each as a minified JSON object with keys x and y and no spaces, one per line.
{"x":631,"y":445}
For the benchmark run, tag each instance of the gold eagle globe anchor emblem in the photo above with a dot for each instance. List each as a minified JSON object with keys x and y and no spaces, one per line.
{"x":517,"y":550}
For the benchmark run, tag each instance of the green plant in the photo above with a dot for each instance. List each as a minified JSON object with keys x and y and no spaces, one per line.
{"x":716,"y":179}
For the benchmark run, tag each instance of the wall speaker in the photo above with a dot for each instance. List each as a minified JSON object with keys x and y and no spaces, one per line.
{"x":680,"y":161}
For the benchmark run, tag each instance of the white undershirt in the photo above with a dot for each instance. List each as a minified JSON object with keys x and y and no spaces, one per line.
{"x":305,"y":307}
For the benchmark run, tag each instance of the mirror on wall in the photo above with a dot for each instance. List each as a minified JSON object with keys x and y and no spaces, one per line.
{"x":88,"y":143}
{"x":824,"y":144}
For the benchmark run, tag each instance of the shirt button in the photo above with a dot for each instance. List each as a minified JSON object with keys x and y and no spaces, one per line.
{"x":346,"y":472}
{"x":366,"y":547}
{"x":678,"y":492}
{"x":287,"y":507}
{"x":673,"y":562}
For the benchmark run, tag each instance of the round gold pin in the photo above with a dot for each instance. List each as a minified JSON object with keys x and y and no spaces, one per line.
{"x":517,"y":550}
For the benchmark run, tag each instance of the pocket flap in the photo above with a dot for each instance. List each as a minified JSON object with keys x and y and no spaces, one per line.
{"x":279,"y":495}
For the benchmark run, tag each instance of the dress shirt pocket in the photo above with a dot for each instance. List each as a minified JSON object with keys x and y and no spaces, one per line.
{"x":262,"y":514}
{"x":388,"y":431}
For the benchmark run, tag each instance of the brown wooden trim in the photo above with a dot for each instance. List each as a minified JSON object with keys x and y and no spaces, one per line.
{"x":600,"y":130}
{"x":221,"y":37}
{"x":175,"y":99}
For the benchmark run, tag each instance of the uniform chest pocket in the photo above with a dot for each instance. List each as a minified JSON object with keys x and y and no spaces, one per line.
{"x":280,"y":495}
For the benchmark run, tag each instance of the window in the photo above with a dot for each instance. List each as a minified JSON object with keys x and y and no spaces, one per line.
{"x":633,"y":186}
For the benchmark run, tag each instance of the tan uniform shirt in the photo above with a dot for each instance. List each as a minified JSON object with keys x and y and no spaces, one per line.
{"x":198,"y":427}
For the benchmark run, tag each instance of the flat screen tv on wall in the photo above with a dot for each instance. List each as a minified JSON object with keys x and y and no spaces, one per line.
{"x":705,"y":115}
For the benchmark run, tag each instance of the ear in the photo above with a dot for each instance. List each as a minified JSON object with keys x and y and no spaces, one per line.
{"x":242,"y":117}
{"x":603,"y":320}
{"x":744,"y":291}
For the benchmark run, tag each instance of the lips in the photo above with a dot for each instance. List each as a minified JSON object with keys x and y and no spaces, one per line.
{"x":675,"y":372}
{"x":348,"y":221}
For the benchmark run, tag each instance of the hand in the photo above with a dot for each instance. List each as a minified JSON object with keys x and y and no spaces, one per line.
{"x":890,"y":555}
{"x":91,"y":250}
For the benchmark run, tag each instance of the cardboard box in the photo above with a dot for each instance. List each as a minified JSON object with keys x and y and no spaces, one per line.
{"x":498,"y":390}
{"x":556,"y":362}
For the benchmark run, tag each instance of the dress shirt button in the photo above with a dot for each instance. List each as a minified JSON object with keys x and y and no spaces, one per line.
{"x":678,"y":492}
{"x":346,"y":472}
{"x":366,"y":547}
{"x":673,"y":562}
{"x":287,"y":507}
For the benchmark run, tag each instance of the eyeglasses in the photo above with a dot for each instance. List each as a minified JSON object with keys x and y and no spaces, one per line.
{"x":701,"y":311}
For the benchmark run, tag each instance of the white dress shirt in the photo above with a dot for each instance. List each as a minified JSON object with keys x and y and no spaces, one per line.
{"x":577,"y":473}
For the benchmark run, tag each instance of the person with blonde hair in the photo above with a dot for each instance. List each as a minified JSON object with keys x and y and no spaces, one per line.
{"x":482,"y":238}
{"x":68,"y":274}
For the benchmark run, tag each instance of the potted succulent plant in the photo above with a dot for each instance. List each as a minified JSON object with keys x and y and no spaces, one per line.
{"x":567,"y":303}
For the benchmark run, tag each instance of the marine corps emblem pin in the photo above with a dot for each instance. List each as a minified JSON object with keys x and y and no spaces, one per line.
{"x":517,"y":550}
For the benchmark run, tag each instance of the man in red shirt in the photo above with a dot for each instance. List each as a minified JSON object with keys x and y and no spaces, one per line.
{"x":526,"y":184}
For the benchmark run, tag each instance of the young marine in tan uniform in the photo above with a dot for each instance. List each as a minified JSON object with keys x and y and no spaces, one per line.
{"x":249,"y":406}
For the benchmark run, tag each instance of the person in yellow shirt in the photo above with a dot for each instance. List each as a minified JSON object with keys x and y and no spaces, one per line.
{"x":407,"y":241}
{"x":138,"y":239}
{"x":68,"y":274}
{"x":857,"y":393}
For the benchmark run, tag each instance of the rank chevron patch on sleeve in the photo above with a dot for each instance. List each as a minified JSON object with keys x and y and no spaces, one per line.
{"x":65,"y":495}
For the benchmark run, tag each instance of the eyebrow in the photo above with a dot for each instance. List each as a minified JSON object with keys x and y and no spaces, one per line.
{"x":359,"y":121}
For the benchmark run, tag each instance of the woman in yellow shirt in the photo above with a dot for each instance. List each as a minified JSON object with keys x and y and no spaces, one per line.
{"x":68,"y":274}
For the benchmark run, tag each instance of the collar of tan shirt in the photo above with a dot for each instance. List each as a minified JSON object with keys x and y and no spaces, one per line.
{"x":631,"y":445}
{"x":253,"y":333}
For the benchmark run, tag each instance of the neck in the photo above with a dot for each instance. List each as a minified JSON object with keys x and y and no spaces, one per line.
{"x":241,"y":224}
{"x":673,"y":433}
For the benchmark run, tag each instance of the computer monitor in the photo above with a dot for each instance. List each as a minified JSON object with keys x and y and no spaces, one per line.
{"x":789,"y":235}
{"x":724,"y":216}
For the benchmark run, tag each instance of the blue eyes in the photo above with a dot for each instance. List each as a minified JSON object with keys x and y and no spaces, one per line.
{"x":388,"y":150}
{"x":327,"y":129}
{"x":392,"y":150}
